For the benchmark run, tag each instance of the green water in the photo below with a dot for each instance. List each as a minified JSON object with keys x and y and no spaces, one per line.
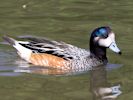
{"x":71,"y":21}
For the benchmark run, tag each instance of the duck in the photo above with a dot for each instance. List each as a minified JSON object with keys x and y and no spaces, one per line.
{"x":49,"y":53}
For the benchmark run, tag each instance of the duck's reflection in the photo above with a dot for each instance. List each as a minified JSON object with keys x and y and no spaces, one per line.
{"x":100,"y":87}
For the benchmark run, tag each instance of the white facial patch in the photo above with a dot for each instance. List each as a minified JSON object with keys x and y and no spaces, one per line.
{"x":112,"y":36}
{"x":106,"y":42}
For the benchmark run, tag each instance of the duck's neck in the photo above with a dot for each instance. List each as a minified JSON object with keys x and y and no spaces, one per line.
{"x":99,"y":52}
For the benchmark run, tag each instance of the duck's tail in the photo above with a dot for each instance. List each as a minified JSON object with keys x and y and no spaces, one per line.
{"x":21,"y":50}
{"x":10,"y":40}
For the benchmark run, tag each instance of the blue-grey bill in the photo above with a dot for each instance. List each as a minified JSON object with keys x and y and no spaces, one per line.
{"x":114,"y":48}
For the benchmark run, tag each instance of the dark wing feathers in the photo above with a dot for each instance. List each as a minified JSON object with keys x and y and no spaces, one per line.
{"x":60,"y":49}
{"x":43,"y":45}
{"x":41,"y":41}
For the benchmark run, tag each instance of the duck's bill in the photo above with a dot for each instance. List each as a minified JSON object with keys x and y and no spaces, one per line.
{"x":114,"y":48}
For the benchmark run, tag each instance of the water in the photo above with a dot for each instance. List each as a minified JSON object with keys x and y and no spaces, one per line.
{"x":99,"y":86}
{"x":71,"y":21}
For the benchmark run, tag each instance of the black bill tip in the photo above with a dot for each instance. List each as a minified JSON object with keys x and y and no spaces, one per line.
{"x":120,"y":53}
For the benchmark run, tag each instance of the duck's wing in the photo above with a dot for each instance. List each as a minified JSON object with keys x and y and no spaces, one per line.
{"x":60,"y":49}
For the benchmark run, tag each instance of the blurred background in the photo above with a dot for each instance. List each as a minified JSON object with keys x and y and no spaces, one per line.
{"x":71,"y":21}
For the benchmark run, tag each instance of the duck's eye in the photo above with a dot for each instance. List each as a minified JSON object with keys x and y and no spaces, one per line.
{"x":102,"y":33}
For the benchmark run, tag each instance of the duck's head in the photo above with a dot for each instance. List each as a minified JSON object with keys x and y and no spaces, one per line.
{"x":102,"y":38}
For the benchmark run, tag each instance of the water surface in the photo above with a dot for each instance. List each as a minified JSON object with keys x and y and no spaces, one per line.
{"x":71,"y":21}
